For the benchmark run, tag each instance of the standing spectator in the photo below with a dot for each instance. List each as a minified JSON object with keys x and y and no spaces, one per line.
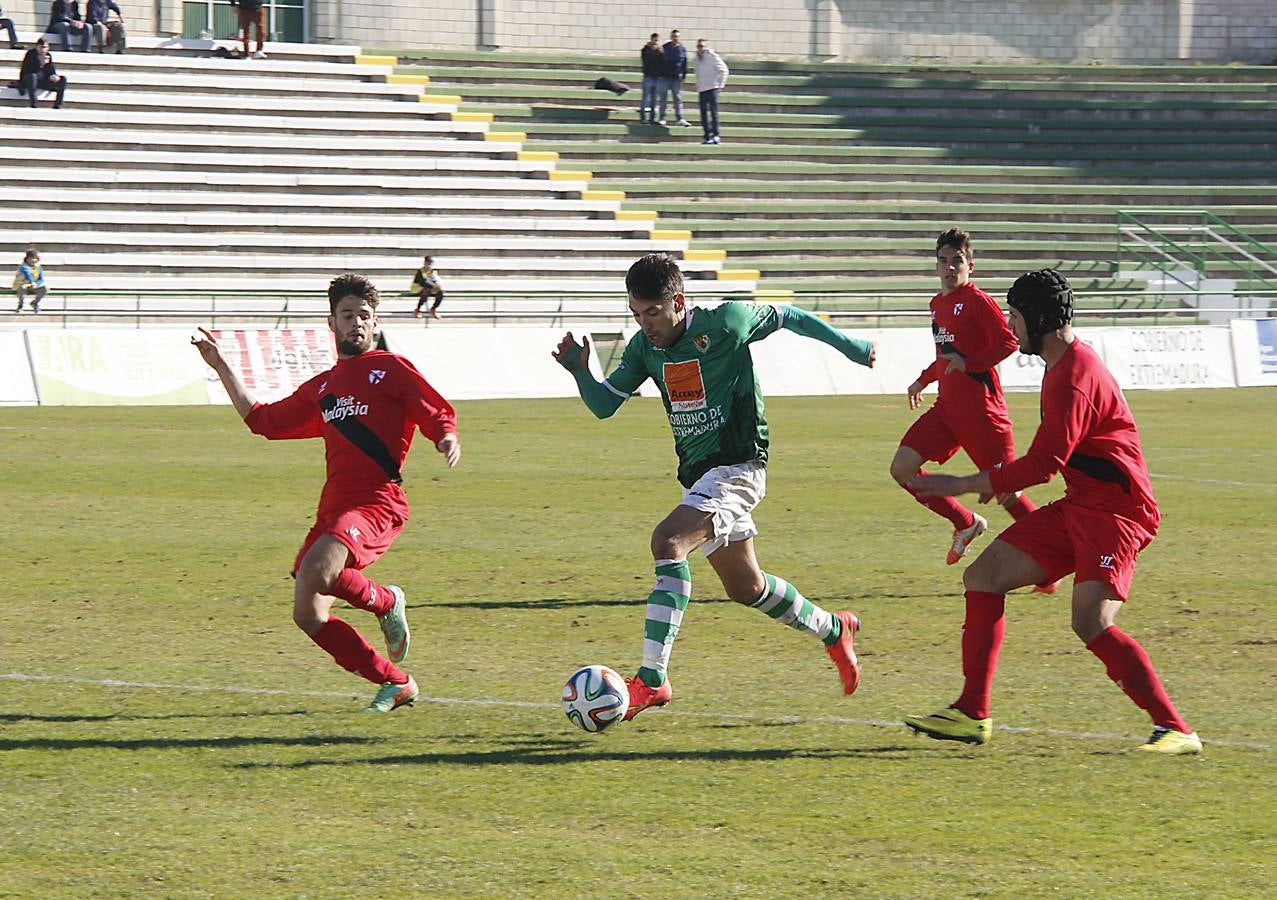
{"x":65,"y":19}
{"x":30,"y":277}
{"x":711,"y":76}
{"x":425,"y":284}
{"x":38,"y":74}
{"x":97,"y":14}
{"x":653,"y":67}
{"x":252,"y":12}
{"x":672,"y":75}
{"x":7,"y":24}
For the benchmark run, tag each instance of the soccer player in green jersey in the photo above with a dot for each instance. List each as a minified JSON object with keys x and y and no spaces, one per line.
{"x":700,"y":360}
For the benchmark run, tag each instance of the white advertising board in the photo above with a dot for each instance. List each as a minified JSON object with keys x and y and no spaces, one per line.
{"x":1254,"y":351}
{"x":486,"y":363}
{"x":109,"y":367}
{"x":17,"y":387}
{"x":273,"y":362}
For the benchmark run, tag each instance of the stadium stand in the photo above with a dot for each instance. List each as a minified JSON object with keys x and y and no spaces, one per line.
{"x":834,"y":177}
{"x":192,"y":174}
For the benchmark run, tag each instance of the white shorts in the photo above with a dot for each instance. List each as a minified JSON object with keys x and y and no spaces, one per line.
{"x":729,"y":494}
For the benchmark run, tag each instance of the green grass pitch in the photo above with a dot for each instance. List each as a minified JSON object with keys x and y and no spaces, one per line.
{"x":165,"y":730}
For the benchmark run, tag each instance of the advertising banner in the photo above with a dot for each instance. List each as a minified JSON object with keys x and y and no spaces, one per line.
{"x":273,"y":362}
{"x":17,"y":388}
{"x":1254,"y":351}
{"x":486,"y":363}
{"x":1169,"y":357}
{"x":108,"y":367}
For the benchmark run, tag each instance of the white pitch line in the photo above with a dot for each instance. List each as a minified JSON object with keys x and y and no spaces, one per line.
{"x":523,"y":704}
{"x":1250,"y":484}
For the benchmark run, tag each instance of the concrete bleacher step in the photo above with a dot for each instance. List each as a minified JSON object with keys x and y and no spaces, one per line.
{"x":282,"y":202}
{"x":204,"y":49}
{"x":280,"y":107}
{"x":15,"y":114}
{"x":57,"y":243}
{"x":119,"y":160}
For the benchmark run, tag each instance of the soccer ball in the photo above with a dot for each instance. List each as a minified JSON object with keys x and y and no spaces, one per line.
{"x":595,"y":697}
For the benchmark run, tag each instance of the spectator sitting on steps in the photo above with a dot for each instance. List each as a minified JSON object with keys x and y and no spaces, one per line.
{"x":425,"y":284}
{"x":65,"y":19}
{"x":30,"y":279}
{"x":38,"y":74}
{"x":97,"y":14}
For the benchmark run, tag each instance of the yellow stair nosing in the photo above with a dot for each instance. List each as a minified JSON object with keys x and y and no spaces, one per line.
{"x":450,"y":99}
{"x":517,"y":137}
{"x":407,"y":79}
{"x":570,"y":175}
{"x":602,"y":195}
{"x":538,"y":156}
{"x":471,"y":117}
{"x":670,"y":235}
{"x":739,"y":274}
{"x":636,"y":215}
{"x":376,"y":60}
{"x":705,"y":255}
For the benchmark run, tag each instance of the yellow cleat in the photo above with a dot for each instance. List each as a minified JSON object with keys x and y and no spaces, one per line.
{"x":1172,"y":743}
{"x":952,"y":725}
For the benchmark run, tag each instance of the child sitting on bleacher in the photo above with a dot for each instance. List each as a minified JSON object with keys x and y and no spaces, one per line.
{"x":425,"y":284}
{"x":30,"y":279}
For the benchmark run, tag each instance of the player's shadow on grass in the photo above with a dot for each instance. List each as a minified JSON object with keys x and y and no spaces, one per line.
{"x":202,"y":743}
{"x":574,"y":752}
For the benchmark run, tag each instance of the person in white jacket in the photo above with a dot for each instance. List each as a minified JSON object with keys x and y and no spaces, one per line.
{"x":711,"y":76}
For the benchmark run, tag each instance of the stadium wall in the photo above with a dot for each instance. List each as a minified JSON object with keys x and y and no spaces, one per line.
{"x":865,"y":31}
{"x":95,"y":366}
{"x":862,"y":31}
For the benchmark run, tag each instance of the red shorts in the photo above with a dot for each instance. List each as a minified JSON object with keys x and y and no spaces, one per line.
{"x":1062,"y":537}
{"x":986,"y":437}
{"x":367,"y":531}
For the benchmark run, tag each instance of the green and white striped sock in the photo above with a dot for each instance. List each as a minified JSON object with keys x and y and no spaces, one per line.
{"x":665,"y":605}
{"x":782,"y":602}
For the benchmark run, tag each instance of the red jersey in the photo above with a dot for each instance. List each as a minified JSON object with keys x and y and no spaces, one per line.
{"x":970,"y":323}
{"x":1088,"y":432}
{"x":367,"y":410}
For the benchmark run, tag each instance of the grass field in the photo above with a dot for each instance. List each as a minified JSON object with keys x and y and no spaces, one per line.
{"x":165,"y":730}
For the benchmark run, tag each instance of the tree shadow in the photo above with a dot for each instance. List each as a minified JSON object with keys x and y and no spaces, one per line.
{"x":204,"y":743}
{"x":10,"y":718}
{"x":575,"y":752}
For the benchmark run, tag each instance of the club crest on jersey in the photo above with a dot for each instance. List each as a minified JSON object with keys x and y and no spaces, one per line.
{"x":376,"y":376}
{"x":684,"y":385}
{"x":353,"y":532}
{"x":702,"y":342}
{"x":323,"y":387}
{"x":957,"y":309}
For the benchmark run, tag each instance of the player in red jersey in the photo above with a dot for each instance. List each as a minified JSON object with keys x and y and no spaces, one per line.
{"x":367,"y":409}
{"x":971,"y":337}
{"x":1106,"y":517}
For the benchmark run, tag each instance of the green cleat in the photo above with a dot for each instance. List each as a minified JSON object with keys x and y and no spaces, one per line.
{"x":1172,"y":743}
{"x":392,"y":696}
{"x":394,"y":627}
{"x":952,"y":725}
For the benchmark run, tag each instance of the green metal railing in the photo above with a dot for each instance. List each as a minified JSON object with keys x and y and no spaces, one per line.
{"x":1188,"y":246}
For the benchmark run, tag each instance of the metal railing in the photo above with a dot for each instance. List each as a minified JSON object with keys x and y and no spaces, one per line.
{"x":1188,"y":246}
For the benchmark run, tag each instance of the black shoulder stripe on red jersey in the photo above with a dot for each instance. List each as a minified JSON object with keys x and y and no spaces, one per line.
{"x":363,"y":438}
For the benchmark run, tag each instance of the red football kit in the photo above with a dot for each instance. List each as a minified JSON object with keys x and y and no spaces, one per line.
{"x":367,"y":410}
{"x":1108,"y":513}
{"x":970,"y":411}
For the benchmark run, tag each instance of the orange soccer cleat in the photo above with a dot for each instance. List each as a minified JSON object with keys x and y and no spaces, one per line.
{"x":643,"y":697}
{"x":843,"y":653}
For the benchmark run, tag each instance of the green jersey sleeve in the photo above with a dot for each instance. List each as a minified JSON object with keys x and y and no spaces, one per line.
{"x":749,"y":322}
{"x":631,"y":372}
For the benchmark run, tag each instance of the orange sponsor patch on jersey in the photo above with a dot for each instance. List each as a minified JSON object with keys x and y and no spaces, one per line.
{"x":684,"y":385}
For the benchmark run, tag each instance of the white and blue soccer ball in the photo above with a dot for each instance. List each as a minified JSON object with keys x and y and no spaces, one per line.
{"x":595,"y":697}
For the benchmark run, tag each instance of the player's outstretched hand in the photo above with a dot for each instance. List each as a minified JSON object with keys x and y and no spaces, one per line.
{"x":206,"y":344}
{"x":873,"y":354}
{"x":915,"y":395}
{"x":571,"y":355}
{"x":450,"y":446}
{"x":923,"y":486}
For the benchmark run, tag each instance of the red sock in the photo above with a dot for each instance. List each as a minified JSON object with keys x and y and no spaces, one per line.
{"x":1020,"y":507}
{"x":354,"y":654}
{"x":358,"y":590}
{"x":946,"y":507}
{"x":981,"y":640}
{"x":1129,"y":666}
